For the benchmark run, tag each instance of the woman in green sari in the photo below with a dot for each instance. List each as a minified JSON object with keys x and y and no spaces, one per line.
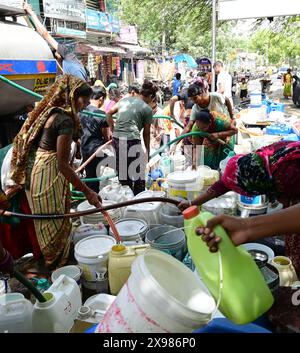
{"x":219,"y":126}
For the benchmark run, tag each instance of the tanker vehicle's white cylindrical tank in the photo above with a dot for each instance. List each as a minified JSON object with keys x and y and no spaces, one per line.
{"x":20,"y":43}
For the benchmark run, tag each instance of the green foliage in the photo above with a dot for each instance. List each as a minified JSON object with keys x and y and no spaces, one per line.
{"x":280,"y":42}
{"x":186,"y":27}
{"x":184,"y":22}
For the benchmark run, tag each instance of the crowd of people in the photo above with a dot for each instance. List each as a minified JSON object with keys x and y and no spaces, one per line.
{"x":42,"y":168}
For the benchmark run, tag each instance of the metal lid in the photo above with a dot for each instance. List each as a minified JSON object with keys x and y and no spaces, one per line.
{"x":259,"y":256}
{"x":94,"y":246}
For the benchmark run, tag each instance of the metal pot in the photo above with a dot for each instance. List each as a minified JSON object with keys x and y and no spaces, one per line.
{"x":253,"y":201}
{"x":270,"y":272}
{"x":247,"y":211}
{"x":252,"y":206}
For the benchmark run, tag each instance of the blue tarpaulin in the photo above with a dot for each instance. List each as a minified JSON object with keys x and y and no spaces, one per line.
{"x":186,"y":57}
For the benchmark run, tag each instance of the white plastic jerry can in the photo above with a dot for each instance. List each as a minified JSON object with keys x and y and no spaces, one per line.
{"x":15,"y":314}
{"x":58,"y":313}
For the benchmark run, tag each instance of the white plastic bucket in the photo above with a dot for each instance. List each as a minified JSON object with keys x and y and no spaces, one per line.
{"x":132,"y":230}
{"x":171,"y":215}
{"x":185,"y":184}
{"x":92,"y":256}
{"x":255,"y":98}
{"x":161,"y":296}
{"x":98,"y":305}
{"x":177,"y":162}
{"x":97,"y":218}
{"x":149,"y":212}
{"x":87,"y":230}
{"x":70,"y":271}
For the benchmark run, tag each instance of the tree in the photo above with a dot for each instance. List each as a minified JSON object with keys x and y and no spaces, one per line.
{"x":280,"y":42}
{"x":172,"y":18}
{"x":186,"y":27}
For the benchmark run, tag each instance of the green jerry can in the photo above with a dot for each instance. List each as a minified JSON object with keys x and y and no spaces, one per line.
{"x":245,"y":295}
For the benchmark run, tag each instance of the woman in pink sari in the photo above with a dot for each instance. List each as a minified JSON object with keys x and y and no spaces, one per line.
{"x":273,"y":171}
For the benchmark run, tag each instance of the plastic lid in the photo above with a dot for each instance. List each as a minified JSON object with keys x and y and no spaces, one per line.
{"x":119,"y":248}
{"x":131,"y":226}
{"x":94,"y":246}
{"x":190,"y":212}
{"x":84,"y":312}
{"x":43,"y":283}
{"x":183,"y":177}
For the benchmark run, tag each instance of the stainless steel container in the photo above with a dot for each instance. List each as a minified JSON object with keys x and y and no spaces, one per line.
{"x":252,"y":206}
{"x":270,"y":272}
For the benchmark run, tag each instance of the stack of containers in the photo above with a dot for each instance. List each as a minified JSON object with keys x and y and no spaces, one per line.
{"x":257,"y":109}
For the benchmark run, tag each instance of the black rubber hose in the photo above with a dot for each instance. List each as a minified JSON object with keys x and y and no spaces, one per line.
{"x":39,"y":296}
{"x":89,"y":212}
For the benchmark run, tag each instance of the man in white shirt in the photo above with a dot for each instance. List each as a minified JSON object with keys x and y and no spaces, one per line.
{"x":224,"y":81}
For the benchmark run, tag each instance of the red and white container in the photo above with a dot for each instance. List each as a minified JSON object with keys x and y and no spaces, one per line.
{"x":160,"y":296}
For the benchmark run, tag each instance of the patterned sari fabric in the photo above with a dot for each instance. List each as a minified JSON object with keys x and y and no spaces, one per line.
{"x":37,"y":171}
{"x":262,"y":172}
{"x":214,"y":152}
{"x":49,"y":194}
{"x":274,"y":171}
{"x":60,"y":97}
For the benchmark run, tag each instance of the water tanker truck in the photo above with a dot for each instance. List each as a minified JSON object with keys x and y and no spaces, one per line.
{"x":26,"y":59}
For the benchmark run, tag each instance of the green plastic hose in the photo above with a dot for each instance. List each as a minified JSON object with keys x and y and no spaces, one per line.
{"x":179,"y":138}
{"x":168,"y":118}
{"x":36,"y":95}
{"x":97,"y":115}
{"x":92,"y":180}
{"x":23,"y":89}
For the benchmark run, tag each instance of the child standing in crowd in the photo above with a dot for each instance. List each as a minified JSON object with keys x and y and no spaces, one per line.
{"x":243,"y":89}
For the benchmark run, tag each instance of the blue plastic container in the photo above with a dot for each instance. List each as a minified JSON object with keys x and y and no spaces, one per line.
{"x":291,"y":137}
{"x":221,"y":325}
{"x":279,"y":107}
{"x":278,"y":129}
{"x":267,"y":103}
{"x":91,"y":329}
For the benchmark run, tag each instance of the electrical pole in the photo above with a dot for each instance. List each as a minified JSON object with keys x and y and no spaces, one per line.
{"x":214,"y":40}
{"x":163,"y":51}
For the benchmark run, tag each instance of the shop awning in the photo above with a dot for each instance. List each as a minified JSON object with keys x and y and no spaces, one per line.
{"x":135,"y":49}
{"x":87,"y":48}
